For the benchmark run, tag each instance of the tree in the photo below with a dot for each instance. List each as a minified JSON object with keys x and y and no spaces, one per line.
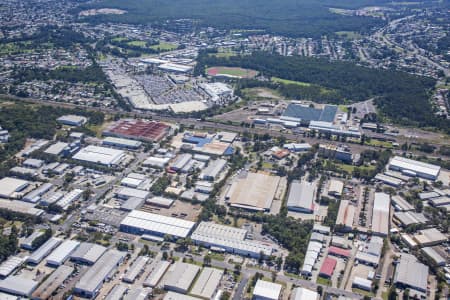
{"x":165,"y":255}
{"x":207,"y":260}
{"x":274,"y":276}
{"x":237,"y":269}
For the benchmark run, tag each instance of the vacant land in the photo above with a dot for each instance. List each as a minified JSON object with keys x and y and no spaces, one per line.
{"x":231,"y":72}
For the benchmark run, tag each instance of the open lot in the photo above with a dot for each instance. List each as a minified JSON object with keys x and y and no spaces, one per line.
{"x":232,"y":72}
{"x":180,"y":209}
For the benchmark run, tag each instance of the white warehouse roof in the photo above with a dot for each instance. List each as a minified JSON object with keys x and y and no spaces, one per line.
{"x":18,"y":285}
{"x":380,"y":216}
{"x":415,"y":166}
{"x":38,"y":255}
{"x":207,"y":283}
{"x":9,"y":186}
{"x":144,"y":221}
{"x":88,"y":253}
{"x":180,"y":277}
{"x":300,"y":293}
{"x":301,"y":196}
{"x":267,"y":290}
{"x":60,"y":254}
{"x":101,"y":155}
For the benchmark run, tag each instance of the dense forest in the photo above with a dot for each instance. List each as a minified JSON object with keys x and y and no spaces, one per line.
{"x":401,"y":97}
{"x":286,"y":17}
{"x":91,"y":74}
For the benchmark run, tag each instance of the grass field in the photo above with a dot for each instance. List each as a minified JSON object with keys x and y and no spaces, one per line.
{"x":324,"y":281}
{"x":231,"y":72}
{"x":343,"y":108}
{"x":163,"y":46}
{"x":137,"y":43}
{"x":286,"y":81}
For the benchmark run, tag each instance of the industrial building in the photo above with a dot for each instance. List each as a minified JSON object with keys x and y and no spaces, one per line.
{"x":217,"y":90}
{"x":160,"y":202}
{"x":301,"y":196}
{"x":156,"y":273}
{"x":180,"y":276}
{"x":229,"y":239}
{"x":214,"y":168}
{"x":306,"y":114}
{"x":265,"y":290}
{"x":21,"y":207}
{"x":58,"y":148}
{"x":126,"y":193}
{"x":429,"y":237}
{"x":335,"y":188}
{"x":389,"y":180}
{"x":52,"y":283}
{"x":362,"y":283}
{"x":338,"y":252}
{"x":132,"y":204}
{"x":294,"y":147}
{"x":121,"y":143}
{"x":87,"y":253}
{"x":72,"y":120}
{"x":90,"y":283}
{"x":117,"y":292}
{"x":321,"y":229}
{"x":11,"y":187}
{"x":327,"y":268}
{"x":136,"y":294}
{"x":434,"y":256}
{"x":410,"y":273}
{"x":312,"y":254}
{"x":18,"y":285}
{"x":346,"y":215}
{"x":142,"y":130}
{"x":35,"y":195}
{"x":100,"y":155}
{"x":136,"y":269}
{"x":414,"y":168}
{"x":33,"y":163}
{"x":181,"y":162}
{"x":336,"y":152}
{"x":255,"y":191}
{"x":406,"y":218}
{"x":37,"y":256}
{"x":156,"y":162}
{"x":300,"y":293}
{"x":61,"y":253}
{"x":139,"y":222}
{"x":207,"y":283}
{"x":10,"y":265}
{"x":380,"y":214}
{"x":400,"y":204}
{"x":69,"y":198}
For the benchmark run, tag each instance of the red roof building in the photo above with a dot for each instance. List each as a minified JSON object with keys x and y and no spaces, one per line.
{"x":143,"y":130}
{"x":328,"y":267}
{"x":338,"y":251}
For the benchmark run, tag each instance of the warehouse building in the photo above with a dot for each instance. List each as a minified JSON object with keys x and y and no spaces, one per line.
{"x":72,"y":120}
{"x":27,"y":243}
{"x":429,"y":237}
{"x":87,"y":253}
{"x":21,"y":207}
{"x":327,"y":268}
{"x":207,"y":283}
{"x":136,"y":269}
{"x":346,"y":215}
{"x":411,"y":274}
{"x":362,"y":283}
{"x":117,"y":292}
{"x":37,"y":256}
{"x":100,"y":155}
{"x":214,"y":168}
{"x":121,"y":143}
{"x":11,"y":187}
{"x":58,"y":148}
{"x":265,"y":290}
{"x":132,"y":204}
{"x":312,"y":254}
{"x":229,"y":239}
{"x":300,"y":293}
{"x":306,"y":114}
{"x":404,"y":219}
{"x":126,"y":193}
{"x":35,"y":195}
{"x":400,"y":204}
{"x":414,"y":168}
{"x":69,"y":198}
{"x":380,"y":214}
{"x":52,"y":283}
{"x":136,"y":294}
{"x":18,"y":285}
{"x":180,"y":277}
{"x":294,"y":147}
{"x":160,"y":202}
{"x":254,"y":192}
{"x":392,"y":181}
{"x":142,"y":130}
{"x":156,"y":273}
{"x":90,"y":283}
{"x":434,"y":256}
{"x":181,"y":162}
{"x":321,"y":229}
{"x":156,"y":162}
{"x":335,"y":188}
{"x":139,"y":222}
{"x":61,"y":253}
{"x":33,"y":163}
{"x":10,"y":265}
{"x":301,"y":197}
